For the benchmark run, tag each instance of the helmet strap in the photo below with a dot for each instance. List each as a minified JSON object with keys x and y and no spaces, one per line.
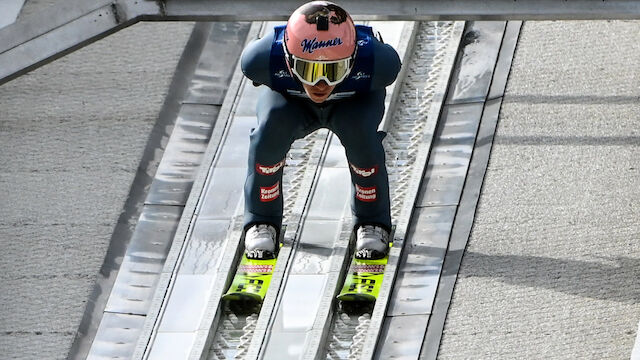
{"x":288,"y":57}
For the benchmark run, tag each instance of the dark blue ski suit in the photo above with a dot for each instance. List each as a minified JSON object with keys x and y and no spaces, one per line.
{"x":285,"y":113}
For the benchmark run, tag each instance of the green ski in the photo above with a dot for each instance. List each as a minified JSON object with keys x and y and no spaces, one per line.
{"x":364,"y":279}
{"x":251,"y":280}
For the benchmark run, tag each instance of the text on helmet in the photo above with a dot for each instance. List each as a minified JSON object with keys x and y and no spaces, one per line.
{"x":311,"y":45}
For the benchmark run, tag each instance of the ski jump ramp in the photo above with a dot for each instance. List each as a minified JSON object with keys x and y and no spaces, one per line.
{"x":441,"y":119}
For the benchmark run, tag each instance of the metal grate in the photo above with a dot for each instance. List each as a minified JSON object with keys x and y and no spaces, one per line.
{"x":234,"y":334}
{"x":298,"y":160}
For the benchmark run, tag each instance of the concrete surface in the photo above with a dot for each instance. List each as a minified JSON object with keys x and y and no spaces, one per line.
{"x":34,"y":6}
{"x":9,"y":10}
{"x":552,"y":266}
{"x":71,"y":137}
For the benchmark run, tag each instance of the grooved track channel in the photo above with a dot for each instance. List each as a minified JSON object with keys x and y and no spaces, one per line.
{"x":236,"y":327}
{"x":404,"y":137}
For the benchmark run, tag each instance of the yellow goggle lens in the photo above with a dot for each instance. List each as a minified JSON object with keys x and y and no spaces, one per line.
{"x":311,"y":72}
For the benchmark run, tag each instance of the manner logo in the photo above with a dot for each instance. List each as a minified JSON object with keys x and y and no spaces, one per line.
{"x":311,"y":45}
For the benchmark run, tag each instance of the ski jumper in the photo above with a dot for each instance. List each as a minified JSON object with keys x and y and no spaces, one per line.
{"x":285,"y":113}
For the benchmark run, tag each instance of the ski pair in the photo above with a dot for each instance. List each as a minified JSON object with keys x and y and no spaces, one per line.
{"x":362,"y":282}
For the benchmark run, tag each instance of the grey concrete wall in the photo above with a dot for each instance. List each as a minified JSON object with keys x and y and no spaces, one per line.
{"x":553,"y":262}
{"x":35,"y":6}
{"x":71,"y":136}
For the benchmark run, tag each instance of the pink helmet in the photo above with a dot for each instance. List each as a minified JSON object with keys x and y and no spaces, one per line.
{"x":320,"y":31}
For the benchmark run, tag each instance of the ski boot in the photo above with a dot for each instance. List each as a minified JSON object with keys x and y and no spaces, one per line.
{"x":372,"y":242}
{"x":260,"y":242}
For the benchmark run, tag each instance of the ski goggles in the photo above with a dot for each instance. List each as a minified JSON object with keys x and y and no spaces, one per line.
{"x":311,"y":72}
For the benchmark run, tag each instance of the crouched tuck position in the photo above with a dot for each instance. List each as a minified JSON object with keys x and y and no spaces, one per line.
{"x":320,"y":71}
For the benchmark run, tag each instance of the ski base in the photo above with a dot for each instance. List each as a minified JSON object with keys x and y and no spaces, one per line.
{"x":364,"y":280}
